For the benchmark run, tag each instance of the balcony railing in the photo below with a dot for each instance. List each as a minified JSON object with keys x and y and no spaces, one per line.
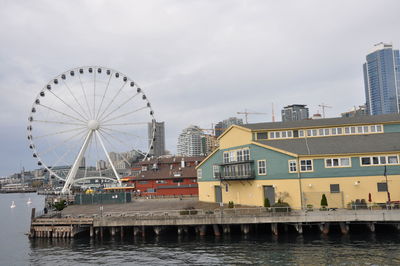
{"x":237,"y":176}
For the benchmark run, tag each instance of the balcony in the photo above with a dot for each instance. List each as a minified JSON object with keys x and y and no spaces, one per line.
{"x":243,"y":170}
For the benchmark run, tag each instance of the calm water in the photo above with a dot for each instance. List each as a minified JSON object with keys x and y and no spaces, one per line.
{"x":360,"y":248}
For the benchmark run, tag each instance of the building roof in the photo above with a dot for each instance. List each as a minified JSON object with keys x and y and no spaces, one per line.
{"x":387,"y":142}
{"x":373,"y":119}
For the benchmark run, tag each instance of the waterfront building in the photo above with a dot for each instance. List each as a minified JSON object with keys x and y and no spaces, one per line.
{"x":167,"y":176}
{"x":382,"y":80}
{"x":159,"y":139}
{"x":360,"y":111}
{"x":347,"y":159}
{"x":189,"y":141}
{"x":220,"y":127}
{"x":295,"y":112}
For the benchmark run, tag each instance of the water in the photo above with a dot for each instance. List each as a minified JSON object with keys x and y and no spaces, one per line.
{"x":360,"y":248}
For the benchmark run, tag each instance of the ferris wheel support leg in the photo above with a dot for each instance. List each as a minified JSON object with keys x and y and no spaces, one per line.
{"x":108,"y":158}
{"x":75,"y":166}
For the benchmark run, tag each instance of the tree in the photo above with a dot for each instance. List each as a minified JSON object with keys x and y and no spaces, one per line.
{"x":324,"y":201}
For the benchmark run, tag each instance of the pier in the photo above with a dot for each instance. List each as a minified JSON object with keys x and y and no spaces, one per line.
{"x":208,"y":220}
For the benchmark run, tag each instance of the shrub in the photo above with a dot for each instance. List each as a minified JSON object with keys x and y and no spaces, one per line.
{"x":59,"y":206}
{"x":231,"y":204}
{"x":267,"y":204}
{"x":188,"y":211}
{"x":324,"y":201}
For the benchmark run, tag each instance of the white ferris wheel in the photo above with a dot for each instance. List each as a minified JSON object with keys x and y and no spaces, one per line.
{"x":90,"y":121}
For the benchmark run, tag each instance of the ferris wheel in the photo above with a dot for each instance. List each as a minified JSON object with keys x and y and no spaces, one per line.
{"x":91,"y":121}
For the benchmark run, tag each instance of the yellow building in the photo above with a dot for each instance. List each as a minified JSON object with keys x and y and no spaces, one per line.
{"x":347,"y":159}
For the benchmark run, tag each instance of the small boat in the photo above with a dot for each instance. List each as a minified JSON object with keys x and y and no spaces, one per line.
{"x":29,"y":201}
{"x":12,"y":205}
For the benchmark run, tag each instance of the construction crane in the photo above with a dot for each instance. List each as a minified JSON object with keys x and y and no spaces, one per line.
{"x":323,"y":106}
{"x":245,"y":113}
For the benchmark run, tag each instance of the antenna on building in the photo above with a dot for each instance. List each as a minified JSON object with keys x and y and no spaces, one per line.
{"x":323,"y":106}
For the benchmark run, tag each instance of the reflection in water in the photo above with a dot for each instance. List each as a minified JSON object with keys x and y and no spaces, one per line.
{"x":234,"y":249}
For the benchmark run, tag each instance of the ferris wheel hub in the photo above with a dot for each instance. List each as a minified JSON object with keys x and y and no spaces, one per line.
{"x":93,"y":125}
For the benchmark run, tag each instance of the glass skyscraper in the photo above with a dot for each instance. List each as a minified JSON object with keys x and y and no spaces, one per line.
{"x":382,"y":80}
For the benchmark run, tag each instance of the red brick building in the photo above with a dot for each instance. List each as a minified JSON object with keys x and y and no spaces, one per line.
{"x":170,"y":176}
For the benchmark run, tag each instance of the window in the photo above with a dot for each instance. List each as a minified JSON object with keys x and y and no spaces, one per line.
{"x":393,"y":159}
{"x":337,"y":162}
{"x":271,"y":135}
{"x":143,"y":182}
{"x":290,"y":134}
{"x":380,"y":160}
{"x":246,"y":155}
{"x":339,"y":131}
{"x":262,"y":135}
{"x":365,"y":160}
{"x":334,"y":131}
{"x":376,"y":128}
{"x":326,"y":131}
{"x":232,"y":156}
{"x":144,"y":168}
{"x":306,"y":165}
{"x":151,"y":190}
{"x":284,"y":134}
{"x":347,"y":130}
{"x":226,"y":157}
{"x":301,"y":133}
{"x":321,"y":131}
{"x":382,"y":187}
{"x":239,"y":155}
{"x":180,"y":180}
{"x":292,"y":166}
{"x":262,"y":167}
{"x":335,"y":188}
{"x":353,"y":130}
{"x":161,"y":181}
{"x":365,"y":129}
{"x":216,"y":173}
{"x":345,"y":161}
{"x":199,"y":174}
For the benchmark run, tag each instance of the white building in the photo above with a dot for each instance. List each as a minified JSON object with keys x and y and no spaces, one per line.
{"x":189,"y":141}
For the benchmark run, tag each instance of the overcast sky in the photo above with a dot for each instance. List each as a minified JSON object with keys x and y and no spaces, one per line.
{"x":198,"y":61}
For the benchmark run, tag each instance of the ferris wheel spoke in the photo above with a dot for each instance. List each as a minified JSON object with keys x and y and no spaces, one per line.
{"x":57,"y":122}
{"x":76,"y":100}
{"x":113,"y":147}
{"x":125,"y":114}
{"x":120,"y":106}
{"x":97,"y":153}
{"x":103,"y":133}
{"x":69,"y":106}
{"x":126,"y":124}
{"x":123,"y":133}
{"x":60,"y":132}
{"x":104,"y":95}
{"x":68,"y":151}
{"x":62,"y":143}
{"x":112,"y":101}
{"x":108,"y":157}
{"x":94,"y":94}
{"x":64,"y":114}
{"x":84,"y":94}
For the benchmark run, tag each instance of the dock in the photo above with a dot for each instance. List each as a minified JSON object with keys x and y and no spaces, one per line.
{"x":137,"y":219}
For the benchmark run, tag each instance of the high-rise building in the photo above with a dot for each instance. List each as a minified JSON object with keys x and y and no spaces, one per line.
{"x":382,"y":80}
{"x":295,"y":112}
{"x":208,"y":144}
{"x":224,"y":124}
{"x":159,"y":141}
{"x":189,"y":141}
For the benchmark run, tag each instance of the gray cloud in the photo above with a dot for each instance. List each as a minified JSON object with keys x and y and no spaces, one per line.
{"x":198,"y":61}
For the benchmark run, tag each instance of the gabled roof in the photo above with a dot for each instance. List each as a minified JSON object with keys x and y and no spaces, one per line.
{"x":386,"y":142}
{"x":367,"y":119}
